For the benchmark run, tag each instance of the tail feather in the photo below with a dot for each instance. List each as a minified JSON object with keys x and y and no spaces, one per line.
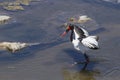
{"x":95,"y":37}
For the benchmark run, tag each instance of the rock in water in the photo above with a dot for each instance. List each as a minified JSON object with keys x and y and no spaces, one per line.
{"x":4,"y":19}
{"x":15,"y":46}
{"x":81,"y":19}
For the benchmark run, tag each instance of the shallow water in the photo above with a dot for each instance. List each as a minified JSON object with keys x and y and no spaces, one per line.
{"x":41,"y":22}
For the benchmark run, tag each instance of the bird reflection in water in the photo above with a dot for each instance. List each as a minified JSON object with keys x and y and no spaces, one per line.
{"x":80,"y":75}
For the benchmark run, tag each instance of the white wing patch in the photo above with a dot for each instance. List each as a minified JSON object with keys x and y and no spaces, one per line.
{"x":90,"y":42}
{"x":76,"y":44}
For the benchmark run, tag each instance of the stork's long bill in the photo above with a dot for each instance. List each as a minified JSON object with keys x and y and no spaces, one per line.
{"x":63,"y":34}
{"x":66,"y":31}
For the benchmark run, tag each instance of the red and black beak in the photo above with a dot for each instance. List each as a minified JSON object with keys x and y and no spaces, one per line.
{"x":66,"y":31}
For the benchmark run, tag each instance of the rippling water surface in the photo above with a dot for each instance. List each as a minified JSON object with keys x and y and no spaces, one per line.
{"x":41,"y":21}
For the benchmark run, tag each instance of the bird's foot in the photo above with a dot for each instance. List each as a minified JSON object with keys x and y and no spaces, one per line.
{"x":85,"y":63}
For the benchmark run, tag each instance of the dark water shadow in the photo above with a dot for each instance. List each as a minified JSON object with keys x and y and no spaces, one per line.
{"x":79,"y":75}
{"x":7,"y":57}
{"x":52,"y":43}
{"x":11,"y":26}
{"x":97,"y":31}
{"x":26,"y":53}
{"x":77,"y":57}
{"x":103,"y":3}
{"x":72,"y":73}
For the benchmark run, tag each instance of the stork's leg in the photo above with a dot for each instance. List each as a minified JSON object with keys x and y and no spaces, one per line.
{"x":84,"y":62}
{"x":87,"y":61}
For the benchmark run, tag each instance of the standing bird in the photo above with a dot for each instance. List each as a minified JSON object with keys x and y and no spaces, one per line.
{"x":80,"y":37}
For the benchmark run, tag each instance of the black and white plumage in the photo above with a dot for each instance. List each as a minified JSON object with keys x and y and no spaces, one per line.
{"x":80,"y":37}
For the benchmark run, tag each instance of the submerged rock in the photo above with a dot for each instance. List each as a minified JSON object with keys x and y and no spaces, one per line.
{"x":80,"y":75}
{"x":81,"y":19}
{"x":15,"y":5}
{"x":12,"y":6}
{"x":15,"y":46}
{"x":24,"y":2}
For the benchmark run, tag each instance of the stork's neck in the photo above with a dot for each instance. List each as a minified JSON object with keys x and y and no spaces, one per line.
{"x":71,"y":36}
{"x":76,"y":34}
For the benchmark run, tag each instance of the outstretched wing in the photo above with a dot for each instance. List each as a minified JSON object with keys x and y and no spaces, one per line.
{"x":95,"y":37}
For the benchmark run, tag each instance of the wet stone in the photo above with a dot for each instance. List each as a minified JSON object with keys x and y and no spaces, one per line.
{"x":4,"y":19}
{"x":15,"y":5}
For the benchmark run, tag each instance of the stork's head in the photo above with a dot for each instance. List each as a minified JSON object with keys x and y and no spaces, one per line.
{"x":68,"y":27}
